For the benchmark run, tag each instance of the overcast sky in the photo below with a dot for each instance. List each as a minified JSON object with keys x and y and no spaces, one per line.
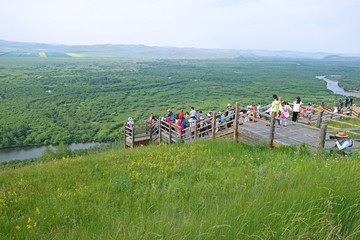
{"x":302,"y":25}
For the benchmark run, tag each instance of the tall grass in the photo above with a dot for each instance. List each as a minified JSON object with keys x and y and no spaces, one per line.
{"x":203,"y":190}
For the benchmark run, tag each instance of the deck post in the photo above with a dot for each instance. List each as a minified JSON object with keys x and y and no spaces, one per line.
{"x":151,"y":130}
{"x":160,"y":136}
{"x":133,"y":136}
{"x":213,"y":125}
{"x":124,"y":135}
{"x":272,"y":130}
{"x":236,"y":123}
{"x":169,"y":140}
{"x":322,"y":137}
{"x":196,"y":129}
{"x":319,"y":119}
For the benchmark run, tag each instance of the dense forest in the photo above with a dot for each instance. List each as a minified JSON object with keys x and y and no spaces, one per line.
{"x":53,"y":100}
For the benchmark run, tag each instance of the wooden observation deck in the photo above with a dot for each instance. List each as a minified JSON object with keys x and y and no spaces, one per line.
{"x":241,"y":126}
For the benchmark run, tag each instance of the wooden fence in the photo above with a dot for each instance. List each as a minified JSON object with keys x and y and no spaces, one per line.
{"x":244,"y":124}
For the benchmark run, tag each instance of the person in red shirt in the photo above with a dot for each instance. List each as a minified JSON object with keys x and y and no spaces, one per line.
{"x":181,"y":115}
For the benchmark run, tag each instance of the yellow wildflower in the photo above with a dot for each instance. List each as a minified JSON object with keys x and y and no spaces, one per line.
{"x":29,"y":220}
{"x":17,"y":227}
{"x":37,"y":210}
{"x":28,"y":226}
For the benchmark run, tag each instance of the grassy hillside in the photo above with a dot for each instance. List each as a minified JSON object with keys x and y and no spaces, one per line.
{"x":204,"y":190}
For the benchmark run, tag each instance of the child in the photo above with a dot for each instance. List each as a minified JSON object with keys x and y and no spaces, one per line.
{"x":308,"y":110}
{"x":285,"y":114}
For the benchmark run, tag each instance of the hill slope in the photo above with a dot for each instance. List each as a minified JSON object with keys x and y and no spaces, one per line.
{"x":205,"y":190}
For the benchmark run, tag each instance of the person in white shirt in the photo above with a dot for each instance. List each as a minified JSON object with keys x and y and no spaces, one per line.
{"x":296,"y":109}
{"x":192,"y":112}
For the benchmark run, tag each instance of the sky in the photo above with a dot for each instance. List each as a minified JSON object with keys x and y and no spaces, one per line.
{"x":300,"y":25}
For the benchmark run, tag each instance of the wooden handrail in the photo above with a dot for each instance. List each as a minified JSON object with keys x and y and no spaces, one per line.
{"x":170,"y":131}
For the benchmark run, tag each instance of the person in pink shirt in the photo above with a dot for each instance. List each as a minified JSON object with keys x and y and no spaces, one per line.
{"x":285,"y":114}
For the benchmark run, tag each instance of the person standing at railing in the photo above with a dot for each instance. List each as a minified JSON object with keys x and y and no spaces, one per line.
{"x":199,"y":115}
{"x":151,"y":117}
{"x":130,"y":124}
{"x":181,"y":122}
{"x":296,"y":109}
{"x":230,"y":114}
{"x":217,"y":123}
{"x":181,"y":114}
{"x":308,"y":110}
{"x":170,"y":115}
{"x":153,"y":125}
{"x":341,"y":104}
{"x":193,"y":112}
{"x":275,"y":107}
{"x":192,"y":123}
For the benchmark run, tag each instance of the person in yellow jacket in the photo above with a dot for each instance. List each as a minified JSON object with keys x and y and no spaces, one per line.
{"x":275,"y":106}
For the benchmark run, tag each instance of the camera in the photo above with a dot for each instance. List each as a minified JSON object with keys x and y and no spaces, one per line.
{"x":333,"y":137}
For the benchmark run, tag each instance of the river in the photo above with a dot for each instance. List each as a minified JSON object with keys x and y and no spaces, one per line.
{"x":21,"y":153}
{"x":335,"y":88}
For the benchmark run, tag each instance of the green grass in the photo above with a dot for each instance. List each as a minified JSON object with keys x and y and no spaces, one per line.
{"x":203,"y":190}
{"x":344,"y":126}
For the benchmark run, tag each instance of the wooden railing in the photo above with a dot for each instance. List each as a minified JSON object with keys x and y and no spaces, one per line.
{"x":240,"y":123}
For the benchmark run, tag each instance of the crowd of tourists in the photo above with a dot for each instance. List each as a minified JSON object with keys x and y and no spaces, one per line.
{"x":344,"y":106}
{"x":223,"y":119}
{"x":189,"y":122}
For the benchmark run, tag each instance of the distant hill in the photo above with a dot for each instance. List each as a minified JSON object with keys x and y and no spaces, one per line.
{"x":15,"y":49}
{"x":340,"y":58}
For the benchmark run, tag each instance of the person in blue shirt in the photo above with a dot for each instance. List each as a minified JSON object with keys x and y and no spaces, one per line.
{"x":342,"y":144}
{"x":170,"y":115}
{"x":183,"y":123}
{"x":341,"y":103}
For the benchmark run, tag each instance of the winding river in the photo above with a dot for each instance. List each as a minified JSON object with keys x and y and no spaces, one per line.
{"x":20,"y":153}
{"x":335,"y":88}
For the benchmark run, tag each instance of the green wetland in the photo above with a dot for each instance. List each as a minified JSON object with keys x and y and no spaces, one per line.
{"x":54,"y":100}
